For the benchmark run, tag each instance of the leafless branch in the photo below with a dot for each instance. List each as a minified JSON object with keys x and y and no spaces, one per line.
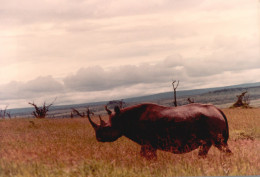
{"x":190,"y":100}
{"x":174,"y":92}
{"x":77,"y":112}
{"x":4,"y":112}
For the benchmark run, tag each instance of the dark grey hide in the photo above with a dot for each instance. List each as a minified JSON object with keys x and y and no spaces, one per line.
{"x":174,"y":129}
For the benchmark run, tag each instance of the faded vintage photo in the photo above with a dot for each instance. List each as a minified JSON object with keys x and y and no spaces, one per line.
{"x":129,"y":88}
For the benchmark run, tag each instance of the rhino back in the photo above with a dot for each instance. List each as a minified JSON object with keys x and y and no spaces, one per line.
{"x":148,"y":122}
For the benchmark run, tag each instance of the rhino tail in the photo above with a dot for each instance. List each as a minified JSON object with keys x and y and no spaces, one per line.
{"x":225,"y":133}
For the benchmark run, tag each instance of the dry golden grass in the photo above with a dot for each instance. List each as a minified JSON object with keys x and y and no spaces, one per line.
{"x":67,"y":147}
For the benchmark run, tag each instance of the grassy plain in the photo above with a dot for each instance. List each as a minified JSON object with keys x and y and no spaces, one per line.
{"x":67,"y":147}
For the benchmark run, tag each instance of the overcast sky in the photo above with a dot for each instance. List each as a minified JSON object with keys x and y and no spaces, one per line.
{"x":94,"y":50}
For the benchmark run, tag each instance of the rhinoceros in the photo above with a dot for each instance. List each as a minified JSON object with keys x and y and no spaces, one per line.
{"x":174,"y":129}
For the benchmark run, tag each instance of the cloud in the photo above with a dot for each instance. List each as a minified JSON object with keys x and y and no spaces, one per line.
{"x":113,"y":46}
{"x":37,"y":87}
{"x":98,"y":83}
{"x":227,"y":58}
{"x":83,"y":33}
{"x":29,"y":11}
{"x":97,"y":78}
{"x":226,"y":54}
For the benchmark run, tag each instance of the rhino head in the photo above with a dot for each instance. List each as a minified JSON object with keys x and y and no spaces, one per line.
{"x":106,"y":131}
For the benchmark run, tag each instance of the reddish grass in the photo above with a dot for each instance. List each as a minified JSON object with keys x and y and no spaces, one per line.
{"x":67,"y":147}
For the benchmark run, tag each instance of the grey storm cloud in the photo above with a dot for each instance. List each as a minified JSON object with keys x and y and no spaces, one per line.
{"x":228,"y":54}
{"x":122,"y":81}
{"x":33,"y":88}
{"x":173,"y":67}
{"x":97,"y":78}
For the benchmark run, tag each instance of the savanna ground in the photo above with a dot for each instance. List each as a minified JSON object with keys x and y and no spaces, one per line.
{"x":67,"y":147}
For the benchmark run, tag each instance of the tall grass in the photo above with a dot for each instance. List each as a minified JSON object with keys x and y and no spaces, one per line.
{"x":67,"y":147}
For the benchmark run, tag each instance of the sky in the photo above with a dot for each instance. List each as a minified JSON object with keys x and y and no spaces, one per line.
{"x":96,"y":50}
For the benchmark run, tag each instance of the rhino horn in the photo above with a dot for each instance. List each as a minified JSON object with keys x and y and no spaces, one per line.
{"x":94,"y":125}
{"x":102,"y":123}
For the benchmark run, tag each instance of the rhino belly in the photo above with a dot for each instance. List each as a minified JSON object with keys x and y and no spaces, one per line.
{"x":178,"y":145}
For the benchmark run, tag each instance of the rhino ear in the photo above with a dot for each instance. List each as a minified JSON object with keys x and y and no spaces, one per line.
{"x":117,"y":110}
{"x":108,"y":111}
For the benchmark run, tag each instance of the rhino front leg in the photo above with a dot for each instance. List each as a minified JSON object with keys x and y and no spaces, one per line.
{"x":148,"y":152}
{"x":204,"y":148}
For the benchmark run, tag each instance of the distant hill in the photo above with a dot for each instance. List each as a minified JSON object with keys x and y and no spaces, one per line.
{"x":221,"y":96}
{"x":185,"y":93}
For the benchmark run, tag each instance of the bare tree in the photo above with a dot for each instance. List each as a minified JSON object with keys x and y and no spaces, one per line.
{"x":41,"y":112}
{"x":9,"y":115}
{"x":119,"y":103}
{"x":4,"y":112}
{"x":75,"y":111}
{"x":190,"y":100}
{"x":243,"y":100}
{"x":247,"y":99}
{"x":174,"y":92}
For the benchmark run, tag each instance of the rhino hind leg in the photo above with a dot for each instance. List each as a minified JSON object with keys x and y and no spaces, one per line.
{"x":223,"y":147}
{"x":204,"y":148}
{"x":148,"y":152}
